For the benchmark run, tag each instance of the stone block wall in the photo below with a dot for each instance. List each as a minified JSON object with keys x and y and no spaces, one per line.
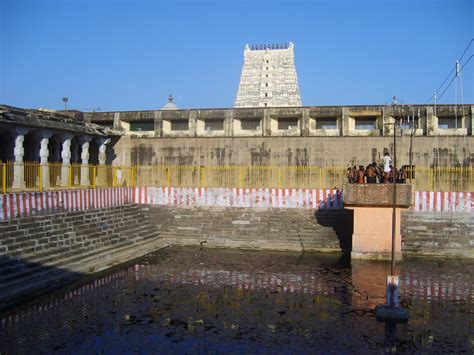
{"x":255,"y":228}
{"x":438,"y":234}
{"x":42,"y":252}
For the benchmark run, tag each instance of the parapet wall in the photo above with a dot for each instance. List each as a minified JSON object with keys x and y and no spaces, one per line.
{"x":311,"y":121}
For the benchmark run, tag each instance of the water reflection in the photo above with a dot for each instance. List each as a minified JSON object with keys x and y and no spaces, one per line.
{"x":241,"y":301}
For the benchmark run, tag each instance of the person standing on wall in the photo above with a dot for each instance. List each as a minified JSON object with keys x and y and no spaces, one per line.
{"x":387,"y":162}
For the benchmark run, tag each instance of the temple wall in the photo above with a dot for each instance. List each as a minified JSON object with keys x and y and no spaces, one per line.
{"x":312,"y":151}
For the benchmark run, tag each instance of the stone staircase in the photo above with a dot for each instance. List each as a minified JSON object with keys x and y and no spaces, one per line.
{"x":43,"y":252}
{"x":38,"y":254}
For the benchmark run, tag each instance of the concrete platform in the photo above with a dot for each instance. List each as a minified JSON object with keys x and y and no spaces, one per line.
{"x":373,"y":213}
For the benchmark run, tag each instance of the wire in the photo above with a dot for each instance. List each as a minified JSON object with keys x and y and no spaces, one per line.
{"x":454,"y":77}
{"x":467,"y":61}
{"x":462,"y":55}
{"x":447,"y":77}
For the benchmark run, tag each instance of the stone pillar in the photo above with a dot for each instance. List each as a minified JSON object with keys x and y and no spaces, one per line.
{"x":85,"y":181}
{"x":157,"y":123}
{"x":19,"y":153}
{"x":345,"y":122}
{"x":66,"y":158}
{"x":305,"y":122}
{"x":45,"y":135}
{"x":102,"y":170}
{"x":193,"y":122}
{"x":386,"y":120}
{"x":229,"y":123}
{"x":431,"y":122}
{"x":117,"y":124}
{"x":267,"y":122}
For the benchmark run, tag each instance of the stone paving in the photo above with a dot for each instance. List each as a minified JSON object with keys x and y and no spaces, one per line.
{"x":199,"y":300}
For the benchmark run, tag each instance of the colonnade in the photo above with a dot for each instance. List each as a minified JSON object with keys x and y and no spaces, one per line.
{"x":47,"y":146}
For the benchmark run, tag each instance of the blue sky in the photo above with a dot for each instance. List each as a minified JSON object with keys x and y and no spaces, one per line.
{"x":130,"y":55}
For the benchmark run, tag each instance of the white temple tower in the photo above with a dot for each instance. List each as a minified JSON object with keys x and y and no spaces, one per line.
{"x":268,"y":77}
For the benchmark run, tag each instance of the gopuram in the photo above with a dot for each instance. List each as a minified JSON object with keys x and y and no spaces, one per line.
{"x":268,"y":77}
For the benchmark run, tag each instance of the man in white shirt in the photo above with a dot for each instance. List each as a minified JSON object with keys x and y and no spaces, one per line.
{"x":387,"y":162}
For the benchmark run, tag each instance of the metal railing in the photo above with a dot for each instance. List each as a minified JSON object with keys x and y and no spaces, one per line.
{"x":240,"y":176}
{"x":34,"y":176}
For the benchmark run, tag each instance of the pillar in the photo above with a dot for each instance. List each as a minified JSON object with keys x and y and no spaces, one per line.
{"x":19,"y":152}
{"x":386,"y":122}
{"x":102,"y":170}
{"x":305,"y":122}
{"x":229,"y":123}
{"x":116,"y":124}
{"x":66,"y":158}
{"x":345,"y":121}
{"x":85,"y":181}
{"x":157,"y":123}
{"x":267,"y":122}
{"x":44,"y":135}
{"x":193,"y":124}
{"x":431,"y":121}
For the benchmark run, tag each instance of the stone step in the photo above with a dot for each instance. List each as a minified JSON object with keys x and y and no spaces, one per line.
{"x":26,"y":269}
{"x":48,"y":257}
{"x":132,"y":227}
{"x":82,"y":265}
{"x":67,"y":259}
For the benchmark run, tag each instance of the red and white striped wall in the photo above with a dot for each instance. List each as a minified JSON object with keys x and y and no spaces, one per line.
{"x":289,"y":198}
{"x":23,"y":204}
{"x":240,"y":197}
{"x":436,"y":201}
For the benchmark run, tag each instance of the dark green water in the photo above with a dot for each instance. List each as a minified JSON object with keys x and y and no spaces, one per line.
{"x":221,"y":301}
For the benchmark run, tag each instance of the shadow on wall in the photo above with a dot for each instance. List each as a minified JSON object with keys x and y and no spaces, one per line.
{"x":342,"y":222}
{"x":22,"y":280}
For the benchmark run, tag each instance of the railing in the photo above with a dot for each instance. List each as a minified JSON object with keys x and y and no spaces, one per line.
{"x":32,"y":176}
{"x":240,"y":176}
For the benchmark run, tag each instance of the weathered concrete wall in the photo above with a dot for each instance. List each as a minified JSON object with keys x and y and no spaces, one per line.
{"x":438,"y":234}
{"x":255,"y":228}
{"x":318,"y":151}
{"x":42,"y":252}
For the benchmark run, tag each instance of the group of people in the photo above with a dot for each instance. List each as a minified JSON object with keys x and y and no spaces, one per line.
{"x":373,"y":173}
